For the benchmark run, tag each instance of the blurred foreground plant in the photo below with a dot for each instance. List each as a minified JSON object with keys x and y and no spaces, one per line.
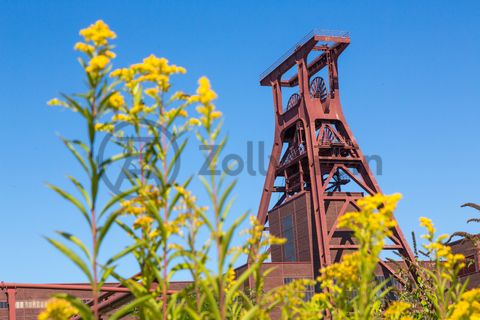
{"x":170,"y":232}
{"x":158,"y":212}
{"x":437,"y":289}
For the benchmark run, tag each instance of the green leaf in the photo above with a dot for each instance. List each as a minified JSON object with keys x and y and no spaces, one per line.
{"x":72,"y":200}
{"x":128,"y":308}
{"x":225,"y":195}
{"x":125,"y":251}
{"x":74,"y":105}
{"x":104,"y":101}
{"x":177,"y":195}
{"x":116,"y":199}
{"x":114,"y":158}
{"x":73,"y":257}
{"x":176,"y":156}
{"x":77,"y":242}
{"x":107,"y":271}
{"x":230,"y":232}
{"x":76,"y":154}
{"x":215,"y":312}
{"x":103,"y":230}
{"x":127,"y":229}
{"x":81,"y":189}
{"x":192,"y":313}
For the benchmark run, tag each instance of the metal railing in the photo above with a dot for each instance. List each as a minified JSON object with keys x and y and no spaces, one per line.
{"x":314,"y":32}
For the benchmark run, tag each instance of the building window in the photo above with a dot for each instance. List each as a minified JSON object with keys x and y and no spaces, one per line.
{"x":470,"y":266}
{"x":3,"y":305}
{"x":289,"y":234}
{"x":309,"y":290}
{"x":31,"y":304}
{"x":391,"y":284}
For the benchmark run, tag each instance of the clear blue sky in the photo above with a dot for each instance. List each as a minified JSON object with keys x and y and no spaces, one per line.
{"x":409,"y":84}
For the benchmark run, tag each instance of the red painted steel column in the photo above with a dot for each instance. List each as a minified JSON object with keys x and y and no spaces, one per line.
{"x":11,"y":292}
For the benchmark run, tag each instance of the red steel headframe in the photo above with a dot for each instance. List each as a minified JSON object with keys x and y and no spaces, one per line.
{"x":322,"y":153}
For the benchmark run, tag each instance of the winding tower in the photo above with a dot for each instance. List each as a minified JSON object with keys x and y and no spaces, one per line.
{"x":317,"y":171}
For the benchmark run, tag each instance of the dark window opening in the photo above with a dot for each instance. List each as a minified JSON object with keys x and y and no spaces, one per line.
{"x":470,"y":266}
{"x":309,"y":289}
{"x":289,"y":234}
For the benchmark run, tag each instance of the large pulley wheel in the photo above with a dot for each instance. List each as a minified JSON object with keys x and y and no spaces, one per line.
{"x":293,"y":101}
{"x":318,"y":89}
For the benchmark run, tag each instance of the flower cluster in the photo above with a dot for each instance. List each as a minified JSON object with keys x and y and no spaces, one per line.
{"x":206,"y":109}
{"x":349,"y":286}
{"x":397,"y":311}
{"x":256,"y":236}
{"x":468,"y":307}
{"x":427,"y":223}
{"x":148,"y":199}
{"x":57,"y":309}
{"x":374,"y":222}
{"x":96,"y":47}
{"x":342,"y":276}
{"x":157,"y":71}
{"x":98,"y":33}
{"x":448,"y":262}
{"x":152,"y":70}
{"x":152,"y":78}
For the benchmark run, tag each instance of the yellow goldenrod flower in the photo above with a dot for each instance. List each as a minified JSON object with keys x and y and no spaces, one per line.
{"x":373,"y":223}
{"x":83,"y":47}
{"x":143,"y":222}
{"x":343,"y":275}
{"x":116,"y":100}
{"x":275,"y":241}
{"x":98,"y":33}
{"x":216,"y":114}
{"x":155,"y":70}
{"x":124,"y":74}
{"x":132,"y":209}
{"x":396,"y":310}
{"x":202,"y":110}
{"x":154,"y":234}
{"x":121,"y":117}
{"x":153,"y":92}
{"x":204,"y":91}
{"x":174,"y":112}
{"x":97,"y":64}
{"x":105,"y":127}
{"x":57,"y":309}
{"x":181,"y":190}
{"x":468,"y":307}
{"x":179,"y":95}
{"x":137,"y":109}
{"x":194,"y":122}
{"x":427,"y":223}
{"x":230,"y":277}
{"x":110,"y":54}
{"x":55,"y":102}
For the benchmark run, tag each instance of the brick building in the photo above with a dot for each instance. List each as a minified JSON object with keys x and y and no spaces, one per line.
{"x":29,"y":301}
{"x":471,"y":251}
